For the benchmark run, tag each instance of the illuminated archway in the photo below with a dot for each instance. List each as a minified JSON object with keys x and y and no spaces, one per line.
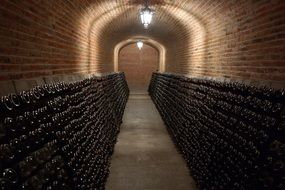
{"x":161,"y":49}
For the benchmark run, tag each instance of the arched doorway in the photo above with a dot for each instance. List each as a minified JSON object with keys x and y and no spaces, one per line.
{"x":138,"y":66}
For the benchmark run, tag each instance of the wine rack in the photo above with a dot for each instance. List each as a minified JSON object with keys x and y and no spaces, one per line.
{"x":61,"y":135}
{"x":231,"y":135}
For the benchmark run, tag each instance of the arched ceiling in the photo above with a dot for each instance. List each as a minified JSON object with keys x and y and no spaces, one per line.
{"x":116,"y":20}
{"x":221,"y":38}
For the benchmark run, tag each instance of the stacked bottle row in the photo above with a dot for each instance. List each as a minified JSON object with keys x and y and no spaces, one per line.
{"x":231,"y":135}
{"x":61,"y":135}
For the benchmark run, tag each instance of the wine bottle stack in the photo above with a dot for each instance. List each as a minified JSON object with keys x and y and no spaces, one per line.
{"x":231,"y":135}
{"x":61,"y":135}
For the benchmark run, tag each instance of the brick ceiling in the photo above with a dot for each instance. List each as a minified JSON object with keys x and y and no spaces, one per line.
{"x":223,"y":38}
{"x":112,"y":21}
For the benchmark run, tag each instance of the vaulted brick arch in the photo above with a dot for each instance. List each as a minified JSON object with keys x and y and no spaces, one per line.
{"x":229,"y":39}
{"x":159,"y":47}
{"x":138,"y":65}
{"x":166,"y":30}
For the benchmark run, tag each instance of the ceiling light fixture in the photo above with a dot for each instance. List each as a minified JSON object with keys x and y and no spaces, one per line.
{"x":140,"y":44}
{"x":146,"y":15}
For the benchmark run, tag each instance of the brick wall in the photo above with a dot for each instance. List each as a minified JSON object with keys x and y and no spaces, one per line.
{"x":244,"y":39}
{"x":237,"y":39}
{"x":138,"y":66}
{"x":39,"y":38}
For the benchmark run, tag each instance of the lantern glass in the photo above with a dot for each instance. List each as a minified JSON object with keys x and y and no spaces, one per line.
{"x":146,"y":16}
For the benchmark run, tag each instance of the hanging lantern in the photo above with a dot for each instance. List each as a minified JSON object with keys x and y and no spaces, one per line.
{"x":140,"y":44}
{"x":146,"y":16}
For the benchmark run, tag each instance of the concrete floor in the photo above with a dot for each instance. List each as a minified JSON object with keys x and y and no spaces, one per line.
{"x":145,"y":158}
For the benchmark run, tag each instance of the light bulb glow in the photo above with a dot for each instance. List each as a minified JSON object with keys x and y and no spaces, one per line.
{"x":140,"y":44}
{"x":146,"y":15}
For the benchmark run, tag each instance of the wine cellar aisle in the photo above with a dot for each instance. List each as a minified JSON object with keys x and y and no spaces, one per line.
{"x":145,"y":156}
{"x":207,"y":103}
